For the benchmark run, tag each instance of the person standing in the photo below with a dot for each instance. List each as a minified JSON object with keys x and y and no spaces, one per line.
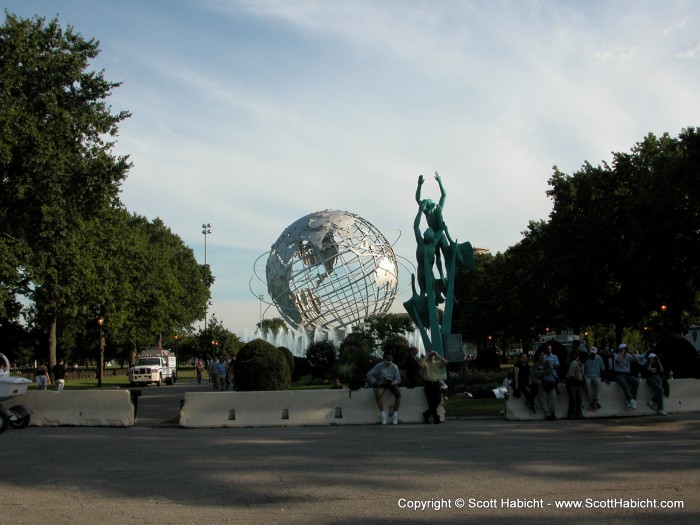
{"x":432,"y":365}
{"x":199,"y":367}
{"x":412,"y":368}
{"x":522,"y":383}
{"x":221,"y":374}
{"x":213,"y":374}
{"x":60,"y":374}
{"x":593,"y":373}
{"x":546,"y":384}
{"x":41,"y":376}
{"x":386,"y":376}
{"x":655,"y":381}
{"x":574,"y":383}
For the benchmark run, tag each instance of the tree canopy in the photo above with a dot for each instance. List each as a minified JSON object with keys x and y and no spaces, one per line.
{"x":67,"y":245}
{"x":620,"y":242}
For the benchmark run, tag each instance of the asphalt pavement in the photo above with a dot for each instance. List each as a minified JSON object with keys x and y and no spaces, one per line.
{"x":631,"y":470}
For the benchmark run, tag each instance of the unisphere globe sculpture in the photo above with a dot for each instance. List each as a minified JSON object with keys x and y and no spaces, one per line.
{"x":331,"y":269}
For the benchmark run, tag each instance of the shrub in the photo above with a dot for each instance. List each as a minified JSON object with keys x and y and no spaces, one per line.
{"x":287,"y":353}
{"x":261,"y":366}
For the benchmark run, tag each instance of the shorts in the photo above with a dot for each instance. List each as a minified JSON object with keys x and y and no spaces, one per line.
{"x":394,"y":389}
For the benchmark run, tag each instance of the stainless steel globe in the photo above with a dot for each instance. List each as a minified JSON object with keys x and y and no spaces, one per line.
{"x":331,"y":269}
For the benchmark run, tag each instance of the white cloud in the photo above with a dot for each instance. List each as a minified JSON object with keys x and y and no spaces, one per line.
{"x":692,"y":52}
{"x":251,"y":114}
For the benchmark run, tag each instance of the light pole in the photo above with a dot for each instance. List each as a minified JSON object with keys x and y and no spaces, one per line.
{"x":663,"y":317}
{"x":206,"y":230}
{"x":261,"y":299}
{"x":101,"y":364}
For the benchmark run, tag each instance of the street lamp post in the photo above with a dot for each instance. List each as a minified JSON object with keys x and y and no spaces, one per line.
{"x":101,"y":363}
{"x":663,"y":317}
{"x":206,"y":230}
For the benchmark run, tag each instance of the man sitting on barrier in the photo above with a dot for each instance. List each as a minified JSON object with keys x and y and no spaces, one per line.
{"x":386,"y":376}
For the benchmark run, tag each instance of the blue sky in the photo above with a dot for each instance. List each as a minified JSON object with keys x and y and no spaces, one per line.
{"x":251,"y":114}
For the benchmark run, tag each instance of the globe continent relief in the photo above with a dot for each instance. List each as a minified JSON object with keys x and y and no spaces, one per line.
{"x":331,"y":269}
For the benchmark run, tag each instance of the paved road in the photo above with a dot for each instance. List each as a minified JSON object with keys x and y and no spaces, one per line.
{"x":156,"y":472}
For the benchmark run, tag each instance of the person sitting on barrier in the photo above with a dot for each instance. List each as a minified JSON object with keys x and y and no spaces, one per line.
{"x":546,"y":380}
{"x":623,"y":377}
{"x":522,"y":384}
{"x":655,"y":381}
{"x":386,"y":376}
{"x":593,"y":374}
{"x":554,"y":361}
{"x":432,"y":365}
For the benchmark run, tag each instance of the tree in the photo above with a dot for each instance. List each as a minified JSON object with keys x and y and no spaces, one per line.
{"x":387,"y":325}
{"x":217,"y":341}
{"x":274,"y":325}
{"x":322,"y":356}
{"x":356,"y":356}
{"x":56,"y":166}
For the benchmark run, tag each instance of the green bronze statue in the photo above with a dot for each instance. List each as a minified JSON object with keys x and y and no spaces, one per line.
{"x":433,"y":247}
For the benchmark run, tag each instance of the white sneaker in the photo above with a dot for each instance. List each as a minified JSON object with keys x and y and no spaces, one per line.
{"x":395,"y":418}
{"x":662,"y":413}
{"x":633,"y":403}
{"x":382,"y":417}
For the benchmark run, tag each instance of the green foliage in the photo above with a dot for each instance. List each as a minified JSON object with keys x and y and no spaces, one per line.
{"x":217,"y":341}
{"x":289,"y":356}
{"x":322,"y":356}
{"x":356,"y":356}
{"x":397,"y":346}
{"x":274,"y":325}
{"x":385,"y":326}
{"x":261,"y":366}
{"x":57,"y":171}
{"x":620,"y":241}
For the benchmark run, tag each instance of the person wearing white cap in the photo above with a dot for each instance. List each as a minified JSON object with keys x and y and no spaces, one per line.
{"x":623,"y":377}
{"x":655,"y":369}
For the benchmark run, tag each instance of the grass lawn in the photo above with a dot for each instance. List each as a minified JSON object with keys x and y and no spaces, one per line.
{"x":456,"y":406}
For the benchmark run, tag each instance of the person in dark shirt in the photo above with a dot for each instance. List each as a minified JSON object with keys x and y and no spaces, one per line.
{"x":522,"y":383}
{"x":60,"y":374}
{"x":412,"y":368}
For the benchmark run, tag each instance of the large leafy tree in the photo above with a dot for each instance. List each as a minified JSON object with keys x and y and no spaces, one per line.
{"x":622,"y":239}
{"x":57,"y":170}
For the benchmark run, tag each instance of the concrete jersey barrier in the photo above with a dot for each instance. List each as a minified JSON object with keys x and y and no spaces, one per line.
{"x":82,"y":408}
{"x":684,"y":397}
{"x":297,"y":408}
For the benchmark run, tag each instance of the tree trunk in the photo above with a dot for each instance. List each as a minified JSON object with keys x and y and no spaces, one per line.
{"x":52,"y":343}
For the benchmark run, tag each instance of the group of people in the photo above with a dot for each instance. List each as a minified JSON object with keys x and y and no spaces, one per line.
{"x":584,"y":369}
{"x":42,"y":379}
{"x":220,"y":372}
{"x":386,"y":376}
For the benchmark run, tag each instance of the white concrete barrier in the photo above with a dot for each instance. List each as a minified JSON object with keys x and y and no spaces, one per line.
{"x":684,"y":397}
{"x":82,"y":408}
{"x":297,"y":408}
